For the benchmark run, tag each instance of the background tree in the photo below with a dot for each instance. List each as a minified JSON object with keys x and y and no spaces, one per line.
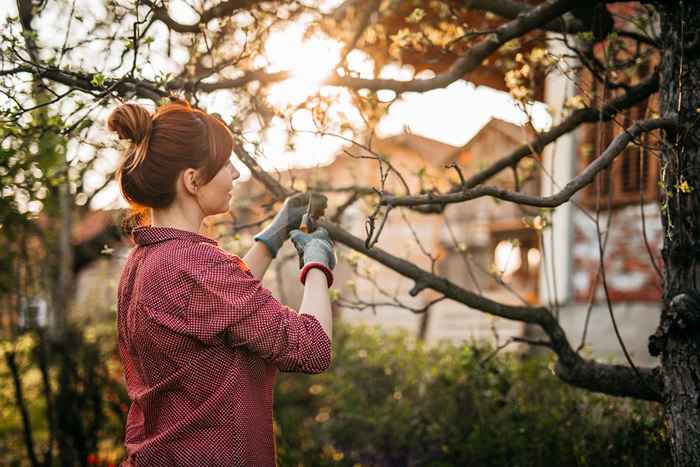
{"x":56,"y":93}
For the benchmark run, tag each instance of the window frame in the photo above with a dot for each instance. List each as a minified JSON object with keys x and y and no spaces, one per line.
{"x":615,"y":176}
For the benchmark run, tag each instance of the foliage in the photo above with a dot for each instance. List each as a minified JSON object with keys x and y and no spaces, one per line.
{"x":389,"y":400}
{"x":86,"y":386}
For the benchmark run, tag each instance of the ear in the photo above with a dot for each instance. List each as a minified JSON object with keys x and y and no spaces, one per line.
{"x":189,"y":179}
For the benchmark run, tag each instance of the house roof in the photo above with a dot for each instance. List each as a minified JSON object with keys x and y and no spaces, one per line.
{"x":429,"y":149}
{"x":494,"y":128}
{"x":93,"y":223}
{"x":434,"y":152}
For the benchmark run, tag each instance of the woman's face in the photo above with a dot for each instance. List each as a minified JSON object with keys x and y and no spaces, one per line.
{"x":215,"y":196}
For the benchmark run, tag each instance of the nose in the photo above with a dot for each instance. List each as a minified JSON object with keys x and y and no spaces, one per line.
{"x":234,"y":171}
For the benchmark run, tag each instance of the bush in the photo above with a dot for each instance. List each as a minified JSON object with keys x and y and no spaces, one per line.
{"x":88,"y":400}
{"x":388,"y":400}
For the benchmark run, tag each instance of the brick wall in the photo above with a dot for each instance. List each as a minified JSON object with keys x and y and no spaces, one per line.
{"x":628,"y":268}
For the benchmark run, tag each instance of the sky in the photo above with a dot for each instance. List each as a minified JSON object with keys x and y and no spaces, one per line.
{"x":452,"y":115}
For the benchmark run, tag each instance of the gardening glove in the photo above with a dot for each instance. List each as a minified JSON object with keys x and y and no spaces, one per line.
{"x":289,"y":218}
{"x":316,"y":251}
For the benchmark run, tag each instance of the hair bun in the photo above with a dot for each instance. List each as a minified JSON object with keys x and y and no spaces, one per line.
{"x":131,"y":121}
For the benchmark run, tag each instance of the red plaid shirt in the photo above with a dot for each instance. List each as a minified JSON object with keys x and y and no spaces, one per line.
{"x":201,"y":340}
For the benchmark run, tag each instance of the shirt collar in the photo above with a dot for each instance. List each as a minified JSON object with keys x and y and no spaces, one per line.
{"x":146,"y":235}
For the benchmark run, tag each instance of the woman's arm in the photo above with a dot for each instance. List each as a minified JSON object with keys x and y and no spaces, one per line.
{"x":258,"y":259}
{"x":316,"y":301}
{"x":228,"y":304}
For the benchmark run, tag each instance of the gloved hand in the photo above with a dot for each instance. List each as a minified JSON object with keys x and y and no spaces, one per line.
{"x":316,"y":250}
{"x":289,"y":218}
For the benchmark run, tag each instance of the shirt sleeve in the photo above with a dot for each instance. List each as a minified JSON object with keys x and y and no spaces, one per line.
{"x":228,"y":302}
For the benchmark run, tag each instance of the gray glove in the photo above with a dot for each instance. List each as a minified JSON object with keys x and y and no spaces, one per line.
{"x":289,"y":218}
{"x":316,"y":250}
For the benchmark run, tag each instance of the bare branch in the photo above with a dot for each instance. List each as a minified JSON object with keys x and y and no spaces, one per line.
{"x":341,"y":209}
{"x":249,"y":76}
{"x":570,"y":365}
{"x":635,"y":95}
{"x":616,"y":380}
{"x":220,"y":10}
{"x":510,"y":10}
{"x":586,"y":177}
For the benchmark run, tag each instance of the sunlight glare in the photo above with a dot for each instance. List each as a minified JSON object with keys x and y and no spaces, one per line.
{"x":507,"y":257}
{"x":454,"y":114}
{"x":182,"y":12}
{"x":360,"y":62}
{"x":311,"y":149}
{"x":309,"y":61}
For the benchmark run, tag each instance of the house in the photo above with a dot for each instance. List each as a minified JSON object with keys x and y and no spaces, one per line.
{"x":621,"y":208}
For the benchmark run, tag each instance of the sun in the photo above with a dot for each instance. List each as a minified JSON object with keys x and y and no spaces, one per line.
{"x":309,"y":60}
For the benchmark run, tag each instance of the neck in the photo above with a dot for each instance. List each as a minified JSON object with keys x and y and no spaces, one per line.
{"x":177,"y":219}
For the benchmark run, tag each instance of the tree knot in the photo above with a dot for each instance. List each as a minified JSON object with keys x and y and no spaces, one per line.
{"x":680,"y":316}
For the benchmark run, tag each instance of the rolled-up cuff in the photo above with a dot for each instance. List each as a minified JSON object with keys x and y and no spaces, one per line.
{"x":268,"y":244}
{"x":316,"y":265}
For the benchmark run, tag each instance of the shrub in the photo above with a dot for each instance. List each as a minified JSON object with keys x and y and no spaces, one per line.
{"x":389,"y":400}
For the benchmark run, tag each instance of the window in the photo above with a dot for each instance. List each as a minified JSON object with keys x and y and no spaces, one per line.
{"x":516,"y":258}
{"x":632,"y":171}
{"x":510,"y":252}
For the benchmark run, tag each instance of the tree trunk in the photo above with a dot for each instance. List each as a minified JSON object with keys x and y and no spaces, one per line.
{"x":678,"y":336}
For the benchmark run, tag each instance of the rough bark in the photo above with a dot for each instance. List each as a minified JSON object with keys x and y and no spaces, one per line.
{"x":677,"y":339}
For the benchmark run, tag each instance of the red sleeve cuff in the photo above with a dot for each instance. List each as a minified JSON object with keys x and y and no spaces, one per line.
{"x":315,"y":265}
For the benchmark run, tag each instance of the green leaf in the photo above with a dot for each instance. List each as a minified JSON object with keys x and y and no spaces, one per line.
{"x":334,"y":295}
{"x":585,"y":36}
{"x":98,"y":80}
{"x":416,"y":16}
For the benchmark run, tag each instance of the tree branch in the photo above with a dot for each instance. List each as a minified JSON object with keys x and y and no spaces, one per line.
{"x":510,"y":10}
{"x":616,"y":380}
{"x":616,"y":147}
{"x":570,"y":366}
{"x":255,"y":75}
{"x":220,"y":10}
{"x":525,"y":22}
{"x":472,"y":59}
{"x":635,"y":95}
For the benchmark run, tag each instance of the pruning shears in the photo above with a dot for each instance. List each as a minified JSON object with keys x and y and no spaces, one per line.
{"x":308,"y":224}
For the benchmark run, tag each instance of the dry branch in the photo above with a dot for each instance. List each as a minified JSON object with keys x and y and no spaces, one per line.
{"x":616,"y":147}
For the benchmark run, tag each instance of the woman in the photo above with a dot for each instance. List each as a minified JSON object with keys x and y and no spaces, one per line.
{"x":200,"y":339}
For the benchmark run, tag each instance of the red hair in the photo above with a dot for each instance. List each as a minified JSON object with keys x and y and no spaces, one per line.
{"x":163,"y":144}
